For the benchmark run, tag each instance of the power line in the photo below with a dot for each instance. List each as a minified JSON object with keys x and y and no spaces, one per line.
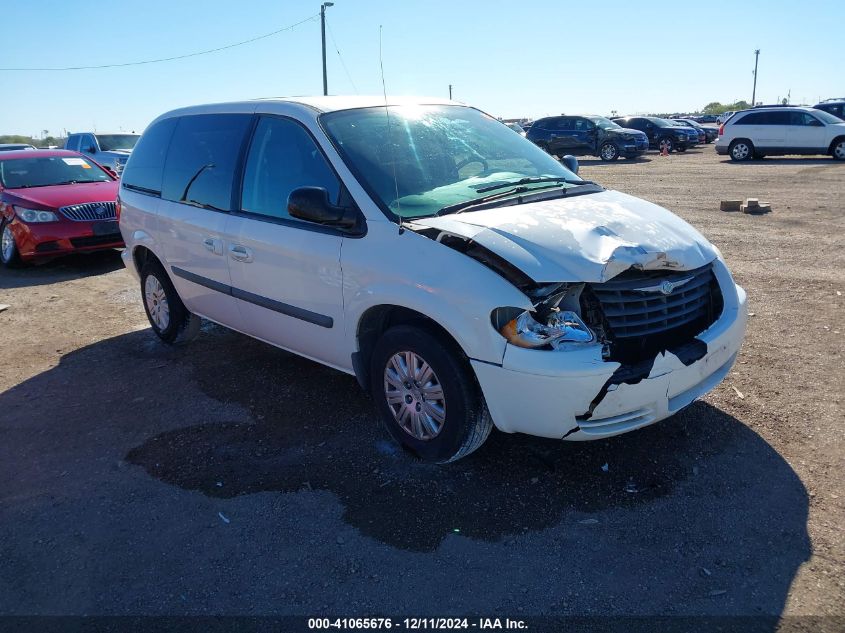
{"x":340,"y":57}
{"x":167,"y":59}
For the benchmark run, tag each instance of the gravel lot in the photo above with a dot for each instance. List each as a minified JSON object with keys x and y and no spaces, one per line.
{"x":229,"y":477}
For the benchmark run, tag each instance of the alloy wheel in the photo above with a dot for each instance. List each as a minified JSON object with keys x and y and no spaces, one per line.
{"x":839,"y":150}
{"x":414,"y":395}
{"x":608,"y":151}
{"x":740,"y":151}
{"x":156,"y":300}
{"x":7,"y":244}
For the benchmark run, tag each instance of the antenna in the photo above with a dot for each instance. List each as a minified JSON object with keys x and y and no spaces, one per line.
{"x":389,"y":143}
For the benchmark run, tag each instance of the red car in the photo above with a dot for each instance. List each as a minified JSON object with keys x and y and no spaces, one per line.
{"x":54,"y":203}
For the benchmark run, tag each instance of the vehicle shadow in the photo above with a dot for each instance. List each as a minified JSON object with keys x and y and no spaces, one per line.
{"x":700,"y":491}
{"x":593,"y":162}
{"x":770,"y":161}
{"x":61,"y":269}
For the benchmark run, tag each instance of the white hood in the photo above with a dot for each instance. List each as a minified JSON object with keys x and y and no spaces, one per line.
{"x":591,"y":237}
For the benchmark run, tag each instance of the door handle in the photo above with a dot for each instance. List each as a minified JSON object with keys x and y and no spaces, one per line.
{"x":214,"y":245}
{"x":240,"y":253}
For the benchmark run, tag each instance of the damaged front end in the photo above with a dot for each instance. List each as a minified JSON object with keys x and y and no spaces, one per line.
{"x":601,"y":357}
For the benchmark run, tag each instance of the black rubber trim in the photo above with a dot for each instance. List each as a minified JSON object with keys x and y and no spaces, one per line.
{"x":271,"y":304}
{"x":202,"y":281}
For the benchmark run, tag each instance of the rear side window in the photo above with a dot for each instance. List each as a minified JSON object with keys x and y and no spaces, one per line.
{"x":201,"y":161}
{"x":144,"y":170}
{"x":283,"y":157}
{"x":72,"y":142}
{"x":763,"y":118}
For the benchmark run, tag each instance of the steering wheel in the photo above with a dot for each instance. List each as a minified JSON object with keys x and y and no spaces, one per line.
{"x":473,"y":159}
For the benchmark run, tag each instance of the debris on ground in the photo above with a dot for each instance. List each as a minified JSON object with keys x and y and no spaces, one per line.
{"x":753,"y":206}
{"x":730,"y":205}
{"x":4,"y":307}
{"x":739,"y":393}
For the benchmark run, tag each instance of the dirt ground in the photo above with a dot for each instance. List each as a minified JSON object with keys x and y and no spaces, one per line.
{"x":229,"y":477}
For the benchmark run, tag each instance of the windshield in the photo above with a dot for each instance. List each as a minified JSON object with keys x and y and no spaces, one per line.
{"x":436,"y":157}
{"x":516,"y":127}
{"x":827,"y":117}
{"x":111,"y":142}
{"x":605,"y":124}
{"x":662,"y":122}
{"x":49,"y":170}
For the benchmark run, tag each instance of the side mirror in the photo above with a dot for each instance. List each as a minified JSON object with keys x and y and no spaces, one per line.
{"x":111,"y":171}
{"x":570,"y":162}
{"x":90,"y":150}
{"x":816,"y":123}
{"x":312,"y":205}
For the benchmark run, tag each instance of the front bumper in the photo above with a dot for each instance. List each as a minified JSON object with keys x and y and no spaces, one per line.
{"x":54,"y":239}
{"x":548,"y":393}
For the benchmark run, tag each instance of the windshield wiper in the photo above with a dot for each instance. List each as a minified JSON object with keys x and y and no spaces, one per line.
{"x":585,"y":186}
{"x":527,"y":181}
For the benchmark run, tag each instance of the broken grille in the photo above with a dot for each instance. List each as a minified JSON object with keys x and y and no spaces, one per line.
{"x":639,"y":304}
{"x":89,"y":211}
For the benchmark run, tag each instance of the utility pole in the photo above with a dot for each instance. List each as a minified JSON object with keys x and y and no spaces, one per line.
{"x":323,"y":33}
{"x":450,"y":92}
{"x":754,"y":92}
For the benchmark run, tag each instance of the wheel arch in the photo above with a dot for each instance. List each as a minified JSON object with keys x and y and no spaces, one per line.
{"x":833,"y":143}
{"x":378,"y":319}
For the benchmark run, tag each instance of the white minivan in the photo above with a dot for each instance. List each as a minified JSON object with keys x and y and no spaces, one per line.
{"x":466,"y":278}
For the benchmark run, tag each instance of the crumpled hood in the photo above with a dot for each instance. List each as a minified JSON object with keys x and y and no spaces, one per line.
{"x":591,"y":237}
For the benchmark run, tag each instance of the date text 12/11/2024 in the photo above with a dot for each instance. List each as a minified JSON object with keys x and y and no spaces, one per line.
{"x":413,"y":624}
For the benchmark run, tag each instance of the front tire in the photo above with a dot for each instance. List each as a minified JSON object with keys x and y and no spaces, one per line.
{"x":741,"y":150}
{"x":9,"y":255}
{"x":681,"y":149}
{"x":665,"y":143}
{"x":608,"y":152}
{"x":168,"y":316}
{"x":838,"y":151}
{"x":427,"y":395}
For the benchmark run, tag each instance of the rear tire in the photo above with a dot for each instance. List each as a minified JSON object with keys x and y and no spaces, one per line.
{"x":168,"y":316}
{"x":427,"y":396}
{"x":741,"y":150}
{"x":9,"y":255}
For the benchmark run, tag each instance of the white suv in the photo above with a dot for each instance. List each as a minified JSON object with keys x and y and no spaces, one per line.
{"x":464,"y":276}
{"x":780,"y":130}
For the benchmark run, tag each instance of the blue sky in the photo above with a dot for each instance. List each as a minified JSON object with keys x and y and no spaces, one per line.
{"x":510,"y":59}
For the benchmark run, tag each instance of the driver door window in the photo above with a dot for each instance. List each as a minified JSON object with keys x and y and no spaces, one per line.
{"x":283,"y":157}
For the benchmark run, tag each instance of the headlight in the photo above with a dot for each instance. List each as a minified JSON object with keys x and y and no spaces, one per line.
{"x":34,"y":216}
{"x":562,"y":326}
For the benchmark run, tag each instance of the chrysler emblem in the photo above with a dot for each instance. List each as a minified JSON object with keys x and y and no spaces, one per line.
{"x":666,"y":287}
